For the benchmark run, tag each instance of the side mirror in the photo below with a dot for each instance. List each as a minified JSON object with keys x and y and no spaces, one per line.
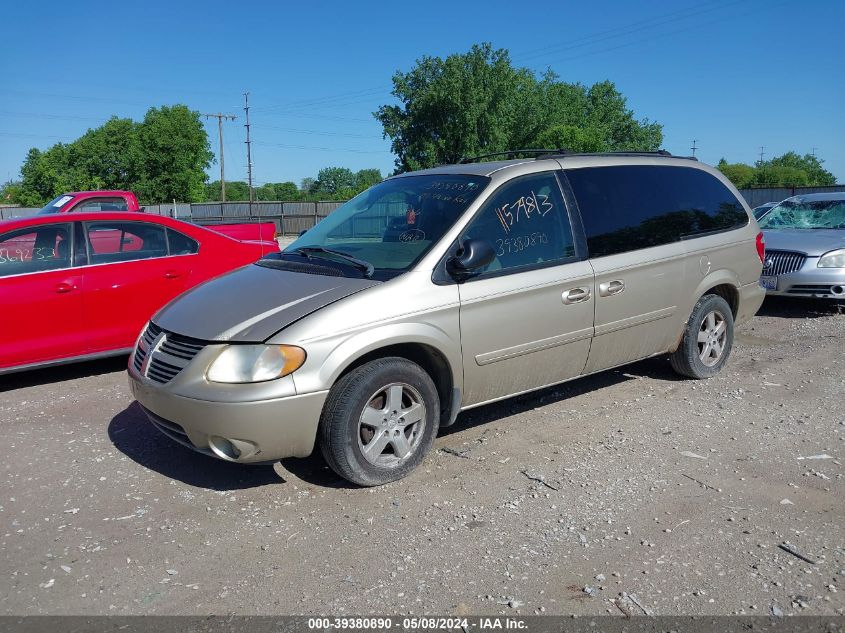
{"x":471,"y":256}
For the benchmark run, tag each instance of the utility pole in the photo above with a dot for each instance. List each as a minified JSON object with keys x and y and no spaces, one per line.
{"x":761,"y":154}
{"x":248,"y":152}
{"x":814,"y":151}
{"x":229,"y":117}
{"x":693,"y":148}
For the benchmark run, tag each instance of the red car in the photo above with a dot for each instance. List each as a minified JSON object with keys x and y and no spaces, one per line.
{"x":82,"y":286}
{"x":114,"y":200}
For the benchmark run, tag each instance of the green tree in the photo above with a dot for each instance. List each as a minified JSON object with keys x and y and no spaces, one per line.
{"x":366,"y":178}
{"x":740,"y":174}
{"x":236,"y":191}
{"x":109,"y":156}
{"x":162,"y":158}
{"x":176,"y":153}
{"x":286,"y":191}
{"x":307,"y":185}
{"x":809,"y":164}
{"x":788,"y":170}
{"x":332,"y":180}
{"x":10,"y":192}
{"x":479,"y":103}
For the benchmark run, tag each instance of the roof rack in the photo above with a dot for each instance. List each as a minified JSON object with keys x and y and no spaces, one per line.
{"x":472,"y":159}
{"x":566,"y":153}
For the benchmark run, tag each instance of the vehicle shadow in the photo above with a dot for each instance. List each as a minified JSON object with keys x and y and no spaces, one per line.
{"x":60,"y":373}
{"x":800,"y":308}
{"x":315,"y":471}
{"x":134,"y":436}
{"x":656,"y":368}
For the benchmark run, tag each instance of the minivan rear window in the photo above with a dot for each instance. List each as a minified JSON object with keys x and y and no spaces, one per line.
{"x":626,"y":208}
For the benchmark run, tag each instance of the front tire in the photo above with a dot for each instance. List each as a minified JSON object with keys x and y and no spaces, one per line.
{"x":379,"y":421}
{"x":708,"y":339}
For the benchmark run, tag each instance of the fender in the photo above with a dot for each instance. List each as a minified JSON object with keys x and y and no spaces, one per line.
{"x":719,"y":277}
{"x":373,"y":339}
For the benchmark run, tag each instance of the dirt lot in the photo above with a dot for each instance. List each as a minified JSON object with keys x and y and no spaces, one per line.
{"x":627,"y":491}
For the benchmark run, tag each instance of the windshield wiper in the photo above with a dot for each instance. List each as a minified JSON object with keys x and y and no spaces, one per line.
{"x":309,"y":251}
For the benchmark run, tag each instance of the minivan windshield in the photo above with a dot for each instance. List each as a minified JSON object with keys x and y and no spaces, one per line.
{"x":383,"y":231}
{"x":815,"y":214}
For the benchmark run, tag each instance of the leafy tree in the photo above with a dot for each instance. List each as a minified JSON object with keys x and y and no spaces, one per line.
{"x":10,"y":192}
{"x":286,"y":191}
{"x":331,"y":180}
{"x":366,"y":178}
{"x":175,"y":150}
{"x":162,"y":158}
{"x":307,"y":185}
{"x":788,"y":170}
{"x":740,"y":174}
{"x":809,"y":164}
{"x":479,"y":103}
{"x":110,"y":156}
{"x":236,"y":190}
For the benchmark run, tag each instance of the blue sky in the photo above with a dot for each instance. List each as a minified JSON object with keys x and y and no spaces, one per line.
{"x":732,"y":74}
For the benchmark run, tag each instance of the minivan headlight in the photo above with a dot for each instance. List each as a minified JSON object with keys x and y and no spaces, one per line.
{"x":255,"y":363}
{"x":833,"y":259}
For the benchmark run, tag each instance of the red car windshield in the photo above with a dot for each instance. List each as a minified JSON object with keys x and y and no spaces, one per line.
{"x":55,"y":205}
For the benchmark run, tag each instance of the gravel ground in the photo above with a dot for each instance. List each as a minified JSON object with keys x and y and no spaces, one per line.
{"x":627,"y":492}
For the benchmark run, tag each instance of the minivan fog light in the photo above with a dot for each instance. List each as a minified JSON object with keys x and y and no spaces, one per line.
{"x":255,"y":363}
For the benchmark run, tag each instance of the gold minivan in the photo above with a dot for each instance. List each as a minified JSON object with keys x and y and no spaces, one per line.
{"x":441,"y":290}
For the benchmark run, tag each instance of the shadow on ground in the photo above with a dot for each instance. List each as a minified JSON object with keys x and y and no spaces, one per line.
{"x":60,"y":373}
{"x":800,"y":308}
{"x":657,"y":368}
{"x":313,"y":470}
{"x":134,"y":436}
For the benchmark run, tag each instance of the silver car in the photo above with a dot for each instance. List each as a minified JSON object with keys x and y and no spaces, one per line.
{"x":805,"y":247}
{"x":441,"y":290}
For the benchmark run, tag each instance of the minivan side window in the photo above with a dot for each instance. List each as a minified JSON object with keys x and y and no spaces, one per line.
{"x":526,"y":222}
{"x":626,"y":208}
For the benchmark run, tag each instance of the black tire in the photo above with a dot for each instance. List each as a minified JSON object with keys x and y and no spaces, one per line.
{"x":687,"y":359}
{"x":342,"y":432}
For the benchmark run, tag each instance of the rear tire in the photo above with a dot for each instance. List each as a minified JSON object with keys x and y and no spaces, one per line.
{"x":379,"y":421}
{"x":708,"y":339}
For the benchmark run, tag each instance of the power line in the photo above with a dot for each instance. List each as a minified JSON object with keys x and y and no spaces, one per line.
{"x":229,"y":117}
{"x":340,"y":98}
{"x":321,"y":149}
{"x":628,"y":29}
{"x":658,"y":35}
{"x":317,"y":132}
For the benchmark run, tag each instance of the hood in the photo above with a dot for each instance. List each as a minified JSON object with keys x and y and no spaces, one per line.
{"x":813,"y":242}
{"x":252,"y":303}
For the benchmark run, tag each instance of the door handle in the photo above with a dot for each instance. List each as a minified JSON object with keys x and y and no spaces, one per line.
{"x":64,"y":287}
{"x":576,"y":295}
{"x":610,"y":288}
{"x":172,"y":274}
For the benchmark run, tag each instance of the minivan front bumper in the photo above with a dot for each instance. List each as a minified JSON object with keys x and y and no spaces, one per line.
{"x":243,"y":432}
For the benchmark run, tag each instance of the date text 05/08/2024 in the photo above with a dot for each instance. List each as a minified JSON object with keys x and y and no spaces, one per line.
{"x":422,"y":623}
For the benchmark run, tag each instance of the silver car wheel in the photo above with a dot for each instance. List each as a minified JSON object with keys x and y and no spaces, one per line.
{"x":391,"y":425}
{"x":711,"y":338}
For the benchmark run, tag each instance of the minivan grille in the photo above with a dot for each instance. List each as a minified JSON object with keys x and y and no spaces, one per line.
{"x":782,"y":262}
{"x":169,"y":353}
